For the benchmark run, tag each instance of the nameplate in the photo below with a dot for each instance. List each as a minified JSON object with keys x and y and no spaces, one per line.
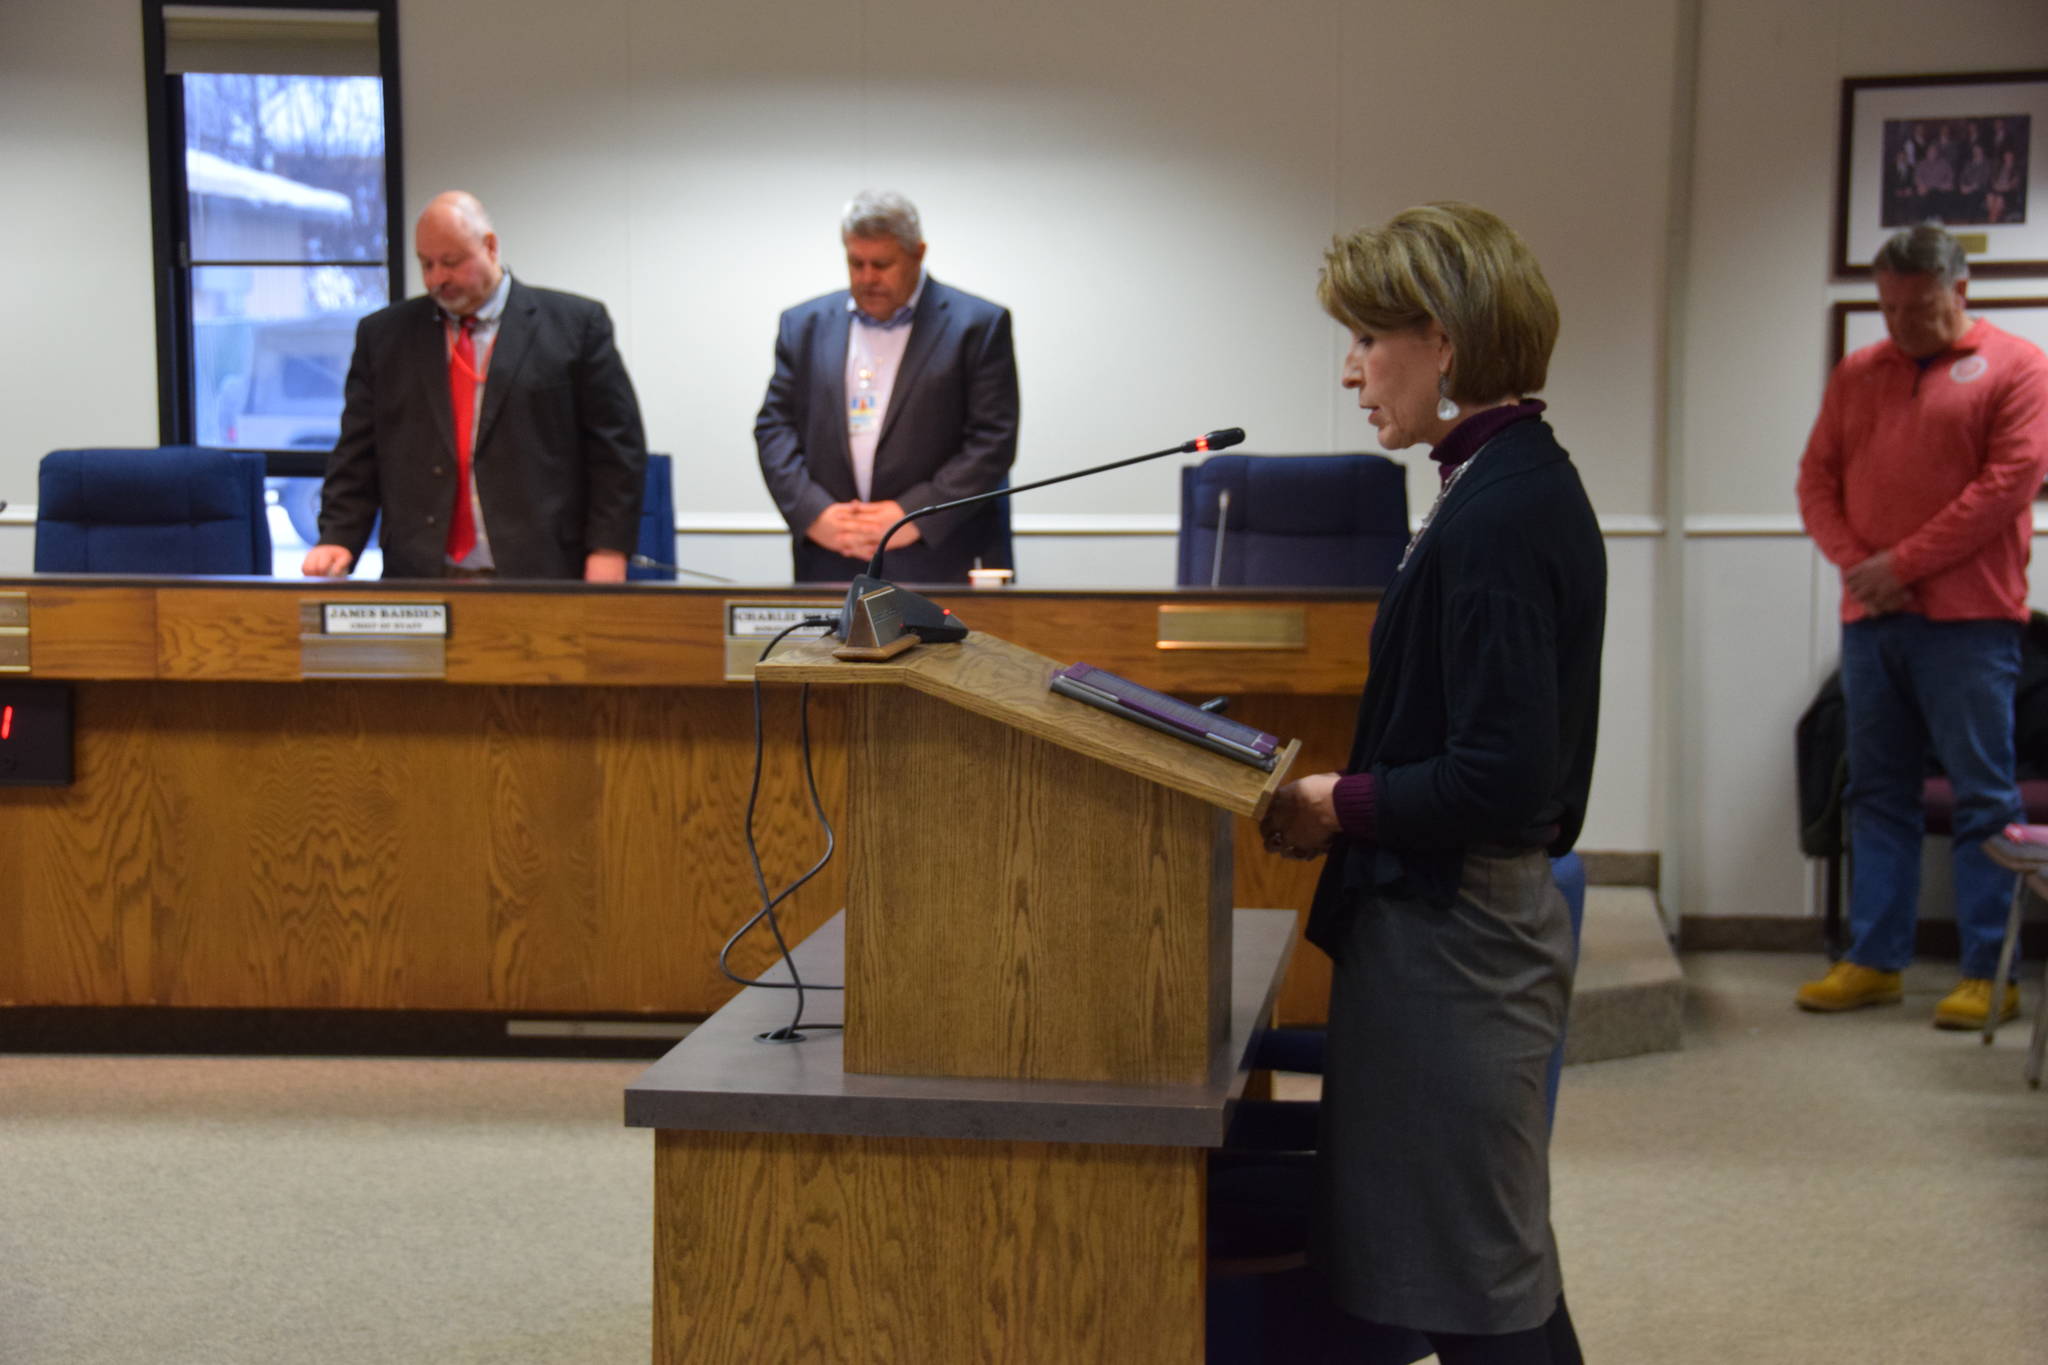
{"x":749,"y":626}
{"x":388,"y":619}
{"x":13,"y":632}
{"x":373,"y":639}
{"x":1204,"y":626}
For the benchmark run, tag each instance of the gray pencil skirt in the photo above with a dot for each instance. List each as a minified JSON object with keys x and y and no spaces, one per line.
{"x":1434,"y":1154}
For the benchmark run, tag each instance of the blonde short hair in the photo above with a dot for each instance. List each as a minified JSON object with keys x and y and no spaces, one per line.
{"x":1464,"y":269}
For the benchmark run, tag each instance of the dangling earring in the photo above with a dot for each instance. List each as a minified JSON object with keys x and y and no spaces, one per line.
{"x":1446,"y":410}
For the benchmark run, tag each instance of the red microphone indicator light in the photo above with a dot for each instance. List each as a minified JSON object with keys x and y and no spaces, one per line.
{"x":6,"y":721}
{"x":1223,"y":438}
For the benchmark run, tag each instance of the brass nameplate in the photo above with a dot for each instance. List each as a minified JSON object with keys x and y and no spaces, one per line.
{"x":13,"y":632}
{"x":1205,"y":626}
{"x":1973,"y":243}
{"x":750,"y":625}
{"x":373,"y":656}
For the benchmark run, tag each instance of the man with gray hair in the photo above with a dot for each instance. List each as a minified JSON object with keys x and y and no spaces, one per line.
{"x":889,"y":395}
{"x":1918,"y":483}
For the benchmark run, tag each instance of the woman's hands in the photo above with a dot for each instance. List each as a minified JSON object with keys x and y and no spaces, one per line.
{"x":1302,"y":820}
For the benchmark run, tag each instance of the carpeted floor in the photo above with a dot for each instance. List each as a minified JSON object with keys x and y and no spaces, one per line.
{"x":230,"y":1211}
{"x":1806,"y":1188}
{"x":1788,"y":1188}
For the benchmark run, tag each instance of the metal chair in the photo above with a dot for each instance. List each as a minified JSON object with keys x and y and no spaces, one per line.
{"x":2026,"y":861}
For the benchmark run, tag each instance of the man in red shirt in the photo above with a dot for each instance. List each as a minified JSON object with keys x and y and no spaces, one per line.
{"x":1918,"y":483}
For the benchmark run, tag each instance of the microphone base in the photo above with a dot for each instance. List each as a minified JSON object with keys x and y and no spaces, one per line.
{"x":881,"y":620}
{"x":878,"y":653}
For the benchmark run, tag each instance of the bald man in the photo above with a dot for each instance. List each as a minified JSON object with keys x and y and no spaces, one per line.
{"x":492,"y":424}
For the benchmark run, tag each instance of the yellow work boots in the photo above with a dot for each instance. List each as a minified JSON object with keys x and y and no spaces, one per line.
{"x":1968,"y":1004}
{"x":1848,"y":986}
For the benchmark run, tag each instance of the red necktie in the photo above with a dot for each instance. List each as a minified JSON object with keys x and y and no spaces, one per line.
{"x":462,"y":382}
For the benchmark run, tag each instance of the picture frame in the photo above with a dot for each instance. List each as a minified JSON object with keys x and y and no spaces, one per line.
{"x":1856,"y":323}
{"x":1969,"y":150}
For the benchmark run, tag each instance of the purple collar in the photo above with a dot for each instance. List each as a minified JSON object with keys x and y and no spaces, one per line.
{"x":1475,"y":431}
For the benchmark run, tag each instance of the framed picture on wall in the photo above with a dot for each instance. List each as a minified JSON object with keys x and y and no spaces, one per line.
{"x":1857,"y":323}
{"x":1968,"y":151}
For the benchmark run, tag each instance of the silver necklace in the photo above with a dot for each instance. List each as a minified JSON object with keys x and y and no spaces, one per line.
{"x":1437,"y":506}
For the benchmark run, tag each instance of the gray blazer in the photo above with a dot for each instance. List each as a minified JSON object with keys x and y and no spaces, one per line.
{"x":950,"y":431}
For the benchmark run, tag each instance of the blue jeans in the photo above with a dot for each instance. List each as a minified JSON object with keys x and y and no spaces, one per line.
{"x":1911,"y":684}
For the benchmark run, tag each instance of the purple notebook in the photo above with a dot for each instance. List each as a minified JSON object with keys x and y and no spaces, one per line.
{"x":1099,"y":687}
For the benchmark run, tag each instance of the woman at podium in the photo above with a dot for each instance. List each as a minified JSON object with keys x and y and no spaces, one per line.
{"x":1474,"y":751}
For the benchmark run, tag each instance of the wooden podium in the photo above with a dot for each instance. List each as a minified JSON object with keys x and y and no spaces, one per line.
{"x":1048,"y":1005}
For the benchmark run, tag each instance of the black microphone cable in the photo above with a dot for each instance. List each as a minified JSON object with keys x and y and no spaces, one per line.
{"x":789,"y":1032}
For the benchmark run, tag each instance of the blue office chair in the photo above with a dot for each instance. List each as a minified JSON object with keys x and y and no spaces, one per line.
{"x":157,"y":510}
{"x":1265,"y":1303}
{"x":1297,"y":521}
{"x":657,"y":520}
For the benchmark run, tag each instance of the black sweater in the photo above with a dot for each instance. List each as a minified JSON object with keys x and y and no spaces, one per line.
{"x":1478,"y":718}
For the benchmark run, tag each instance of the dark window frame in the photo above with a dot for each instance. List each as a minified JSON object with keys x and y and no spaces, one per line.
{"x":170,"y":216}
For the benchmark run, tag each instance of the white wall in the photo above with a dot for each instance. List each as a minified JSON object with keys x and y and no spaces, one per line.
{"x":1150,"y":187}
{"x":1157,"y":238}
{"x":78,"y":348}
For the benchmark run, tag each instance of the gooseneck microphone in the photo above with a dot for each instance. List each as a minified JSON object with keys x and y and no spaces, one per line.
{"x":640,"y":561}
{"x":1215,"y":440}
{"x":881,"y":619}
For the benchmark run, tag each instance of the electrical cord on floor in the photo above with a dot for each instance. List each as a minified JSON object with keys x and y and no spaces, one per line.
{"x":788,"y":1033}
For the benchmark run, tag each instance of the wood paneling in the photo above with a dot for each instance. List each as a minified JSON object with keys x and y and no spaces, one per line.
{"x":227,"y":633}
{"x":1016,"y":909}
{"x":92,"y":632}
{"x":839,"y":1249}
{"x":83,"y":880}
{"x":405,"y":845}
{"x":562,"y":833}
{"x":1121,"y":633}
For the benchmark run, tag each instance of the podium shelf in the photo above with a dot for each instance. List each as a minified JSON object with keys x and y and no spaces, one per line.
{"x":721,"y":1079}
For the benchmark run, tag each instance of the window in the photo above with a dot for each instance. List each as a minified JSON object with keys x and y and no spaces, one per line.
{"x":274,"y":177}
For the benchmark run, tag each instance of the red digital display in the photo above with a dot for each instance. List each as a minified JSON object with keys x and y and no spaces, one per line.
{"x":35,"y":734}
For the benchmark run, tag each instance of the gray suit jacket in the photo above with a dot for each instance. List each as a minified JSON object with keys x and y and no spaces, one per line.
{"x":559,"y":457}
{"x":950,"y":431}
